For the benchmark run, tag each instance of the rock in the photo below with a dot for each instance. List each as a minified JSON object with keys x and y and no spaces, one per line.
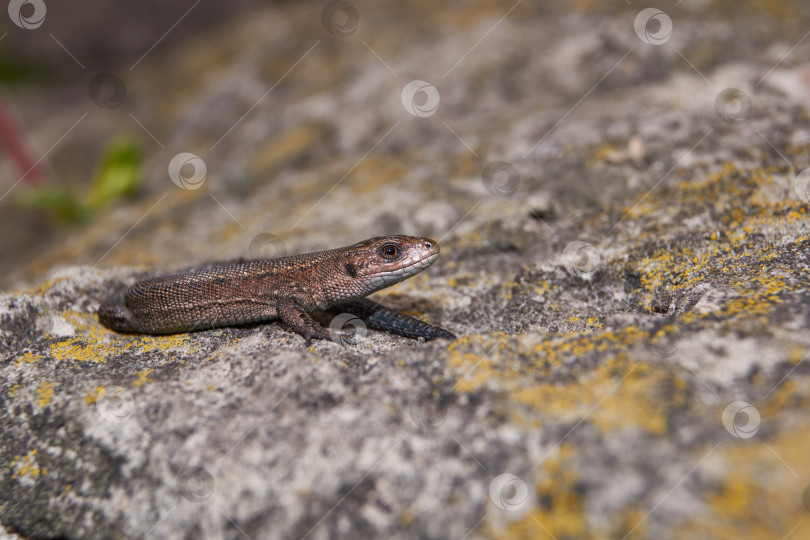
{"x":632,"y":359}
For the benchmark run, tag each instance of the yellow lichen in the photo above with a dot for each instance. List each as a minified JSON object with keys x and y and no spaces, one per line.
{"x":26,"y":466}
{"x":44,"y":393}
{"x":78,"y":349}
{"x":42,"y":289}
{"x":761,"y":494}
{"x":143,"y":377}
{"x":562,"y":510}
{"x":93,"y":396}
{"x":27,"y":358}
{"x":619,"y":393}
{"x":96,"y":343}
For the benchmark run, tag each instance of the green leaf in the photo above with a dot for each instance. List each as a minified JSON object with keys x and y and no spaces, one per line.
{"x":118,"y":175}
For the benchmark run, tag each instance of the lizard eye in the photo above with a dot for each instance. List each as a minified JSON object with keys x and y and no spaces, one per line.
{"x":389,"y":251}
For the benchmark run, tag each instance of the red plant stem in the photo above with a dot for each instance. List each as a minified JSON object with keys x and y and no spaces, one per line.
{"x":11,"y":138}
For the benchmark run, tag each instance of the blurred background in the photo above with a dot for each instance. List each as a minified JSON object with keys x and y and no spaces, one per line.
{"x":301,"y":96}
{"x":70,"y":150}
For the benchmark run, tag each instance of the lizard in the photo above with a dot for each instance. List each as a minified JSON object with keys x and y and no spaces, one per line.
{"x":285,"y":288}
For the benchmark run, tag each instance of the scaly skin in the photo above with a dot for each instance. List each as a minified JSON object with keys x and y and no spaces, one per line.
{"x":287,"y":288}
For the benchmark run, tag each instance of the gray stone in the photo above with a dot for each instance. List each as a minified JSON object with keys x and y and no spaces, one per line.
{"x":630,"y":286}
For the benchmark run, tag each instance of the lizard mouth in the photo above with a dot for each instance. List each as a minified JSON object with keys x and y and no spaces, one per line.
{"x":409,"y":268}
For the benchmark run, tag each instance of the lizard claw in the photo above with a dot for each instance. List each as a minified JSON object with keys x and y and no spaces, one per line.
{"x":309,"y":336}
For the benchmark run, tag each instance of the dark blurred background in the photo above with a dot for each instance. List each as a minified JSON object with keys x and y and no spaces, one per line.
{"x":49,"y":70}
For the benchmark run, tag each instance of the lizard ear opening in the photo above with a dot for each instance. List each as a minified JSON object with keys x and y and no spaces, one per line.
{"x":350,"y":270}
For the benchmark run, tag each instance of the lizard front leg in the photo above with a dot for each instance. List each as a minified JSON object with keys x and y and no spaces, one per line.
{"x":299,"y":320}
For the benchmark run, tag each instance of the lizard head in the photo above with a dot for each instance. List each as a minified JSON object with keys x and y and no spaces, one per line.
{"x":385,"y":260}
{"x":379,"y":262}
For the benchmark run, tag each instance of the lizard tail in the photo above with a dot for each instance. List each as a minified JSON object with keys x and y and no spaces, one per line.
{"x":116,"y":317}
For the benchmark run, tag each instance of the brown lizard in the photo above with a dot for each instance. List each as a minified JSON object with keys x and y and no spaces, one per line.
{"x":286,"y":288}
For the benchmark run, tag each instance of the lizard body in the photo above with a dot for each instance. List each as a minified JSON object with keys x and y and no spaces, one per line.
{"x":286,"y":288}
